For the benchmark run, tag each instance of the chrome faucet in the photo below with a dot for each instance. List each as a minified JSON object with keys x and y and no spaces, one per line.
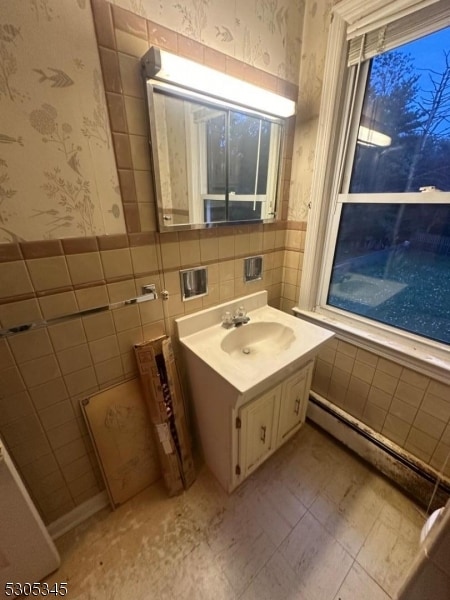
{"x":235,"y":320}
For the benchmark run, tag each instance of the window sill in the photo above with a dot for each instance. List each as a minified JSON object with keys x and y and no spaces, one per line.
{"x":418,"y":356}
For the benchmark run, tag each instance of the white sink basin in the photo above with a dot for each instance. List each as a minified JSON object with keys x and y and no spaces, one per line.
{"x":253,"y":354}
{"x":255,"y":339}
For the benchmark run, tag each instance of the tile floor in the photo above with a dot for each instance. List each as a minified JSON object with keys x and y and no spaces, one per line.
{"x":313,"y":523}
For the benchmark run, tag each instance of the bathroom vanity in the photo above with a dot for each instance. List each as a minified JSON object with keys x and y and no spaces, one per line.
{"x":249,"y":383}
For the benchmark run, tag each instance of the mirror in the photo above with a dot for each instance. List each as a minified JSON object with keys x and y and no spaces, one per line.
{"x":214,"y":163}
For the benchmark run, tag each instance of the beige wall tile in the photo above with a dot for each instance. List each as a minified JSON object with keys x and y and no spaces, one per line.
{"x":140,"y":154}
{"x":396,"y":429}
{"x":439,"y":389}
{"x":363,"y":371}
{"x":127,"y":339}
{"x":130,"y":75}
{"x":25,"y":428}
{"x":127,"y":317}
{"x":346,"y":348}
{"x":130,"y":44}
{"x":403,"y":410}
{"x":70,"y":452}
{"x":340,"y":377}
{"x":81,"y":382}
{"x":147,"y":214}
{"x":116,"y":263}
{"x":144,"y":189}
{"x":380,"y":398}
{"x":366,"y":357}
{"x":56,"y":415}
{"x":420,"y":444}
{"x":322,"y":377}
{"x":109,"y":372}
{"x":226,"y":290}
{"x":66,"y":335}
{"x":290,"y":276}
{"x":74,"y":359}
{"x":82,"y":483}
{"x":268,"y":239}
{"x":104,"y":348}
{"x":446,"y":435}
{"x":374,"y":416}
{"x":154,"y":330}
{"x":436,"y":407}
{"x":58,"y":305}
{"x":291,"y":259}
{"x":327,"y":354}
{"x":190,"y":252}
{"x":14,"y":407}
{"x":136,"y":111}
{"x":30,"y":344}
{"x":6,"y":358}
{"x":385,"y":382}
{"x":38,"y":469}
{"x":49,"y":485}
{"x":227,"y":269}
{"x":31,"y":449}
{"x":144,"y":259}
{"x":429,"y":425}
{"x":92,"y":297}
{"x":49,"y":393}
{"x":19,"y":313}
{"x":440,"y":460}
{"x":98,"y":326}
{"x":337,"y":392}
{"x":415,"y":379}
{"x":49,"y":273}
{"x":344,"y":362}
{"x":64,"y":434}
{"x":389,"y":367}
{"x":242,"y":243}
{"x":209,"y":248}
{"x":213,"y":296}
{"x":151,"y":311}
{"x":40,"y":370}
{"x":77,"y":468}
{"x":15,"y":279}
{"x":85,"y":268}
{"x":409,"y":393}
{"x":170,"y":253}
{"x":226,"y":246}
{"x":121,"y":290}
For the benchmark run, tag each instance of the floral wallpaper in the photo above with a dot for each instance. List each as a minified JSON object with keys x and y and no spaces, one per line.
{"x":315,"y":33}
{"x":58,"y":176}
{"x":263,"y":33}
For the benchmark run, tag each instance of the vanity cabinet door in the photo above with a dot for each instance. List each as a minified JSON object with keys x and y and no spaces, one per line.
{"x":294,"y":402}
{"x":257,"y":437}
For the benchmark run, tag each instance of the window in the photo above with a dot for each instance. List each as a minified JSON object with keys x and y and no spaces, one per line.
{"x":382,"y":247}
{"x":241,"y":167}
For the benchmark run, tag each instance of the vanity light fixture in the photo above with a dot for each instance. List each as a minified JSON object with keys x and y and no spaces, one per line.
{"x":169,"y":68}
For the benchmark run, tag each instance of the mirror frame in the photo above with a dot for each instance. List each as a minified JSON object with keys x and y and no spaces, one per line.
{"x":153,"y":86}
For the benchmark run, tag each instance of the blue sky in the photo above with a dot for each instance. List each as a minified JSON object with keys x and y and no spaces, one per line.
{"x":427,"y":52}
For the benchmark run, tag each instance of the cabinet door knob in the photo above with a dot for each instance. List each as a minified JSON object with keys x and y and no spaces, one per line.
{"x":297,"y":406}
{"x":263,"y":434}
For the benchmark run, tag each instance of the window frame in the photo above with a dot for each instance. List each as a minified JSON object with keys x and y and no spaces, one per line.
{"x":342,"y":95}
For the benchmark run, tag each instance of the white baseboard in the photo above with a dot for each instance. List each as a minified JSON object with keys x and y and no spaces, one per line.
{"x":78,"y":515}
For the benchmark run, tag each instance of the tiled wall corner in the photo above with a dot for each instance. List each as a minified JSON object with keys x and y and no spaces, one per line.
{"x":409,"y":408}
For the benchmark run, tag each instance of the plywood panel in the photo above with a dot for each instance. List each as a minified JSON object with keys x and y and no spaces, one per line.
{"x":118,"y":422}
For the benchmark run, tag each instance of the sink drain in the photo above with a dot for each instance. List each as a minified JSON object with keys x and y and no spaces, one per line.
{"x":246,"y":350}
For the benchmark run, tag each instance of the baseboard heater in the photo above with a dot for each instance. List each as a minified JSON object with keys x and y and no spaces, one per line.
{"x":417,"y":478}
